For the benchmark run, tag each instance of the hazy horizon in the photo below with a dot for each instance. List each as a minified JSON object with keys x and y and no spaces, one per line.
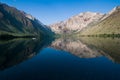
{"x":51,"y":11}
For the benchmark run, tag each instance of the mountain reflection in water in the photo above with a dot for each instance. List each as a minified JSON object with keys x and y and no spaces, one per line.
{"x":75,"y":47}
{"x":14,"y":51}
{"x":61,"y":59}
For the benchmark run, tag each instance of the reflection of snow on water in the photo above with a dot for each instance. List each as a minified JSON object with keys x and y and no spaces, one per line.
{"x":33,"y":38}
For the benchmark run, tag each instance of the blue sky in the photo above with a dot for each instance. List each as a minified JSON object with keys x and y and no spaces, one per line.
{"x":51,"y":11}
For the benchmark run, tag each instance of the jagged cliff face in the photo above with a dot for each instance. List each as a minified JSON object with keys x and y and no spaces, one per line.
{"x":75,"y":47}
{"x":76,"y":23}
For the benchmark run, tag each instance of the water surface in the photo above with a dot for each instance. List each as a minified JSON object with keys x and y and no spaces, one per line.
{"x":61,"y":59}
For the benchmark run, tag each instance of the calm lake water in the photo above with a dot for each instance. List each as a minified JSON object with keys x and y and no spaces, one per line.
{"x":60,"y":59}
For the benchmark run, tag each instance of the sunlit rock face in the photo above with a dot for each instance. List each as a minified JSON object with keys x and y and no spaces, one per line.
{"x":76,"y":23}
{"x":75,"y":47}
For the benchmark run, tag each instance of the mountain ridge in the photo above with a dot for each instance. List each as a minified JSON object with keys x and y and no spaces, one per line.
{"x":18,"y":23}
{"x":109,"y":25}
{"x":76,"y":24}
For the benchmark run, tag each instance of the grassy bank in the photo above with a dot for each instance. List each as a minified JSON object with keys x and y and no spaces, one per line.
{"x":103,"y":35}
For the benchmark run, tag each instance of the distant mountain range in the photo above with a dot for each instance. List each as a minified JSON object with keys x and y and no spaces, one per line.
{"x":90,"y":23}
{"x":18,"y":23}
{"x":14,"y":22}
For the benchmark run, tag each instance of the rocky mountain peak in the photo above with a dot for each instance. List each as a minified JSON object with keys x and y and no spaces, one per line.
{"x":76,"y":23}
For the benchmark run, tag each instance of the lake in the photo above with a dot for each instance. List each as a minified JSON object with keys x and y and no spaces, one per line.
{"x":60,"y":59}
